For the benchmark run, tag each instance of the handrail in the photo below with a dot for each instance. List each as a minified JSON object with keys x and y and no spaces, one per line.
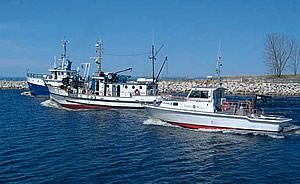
{"x":243,"y":107}
{"x":34,"y":75}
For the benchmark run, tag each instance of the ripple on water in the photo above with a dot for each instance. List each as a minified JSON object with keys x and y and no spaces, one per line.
{"x":51,"y":145}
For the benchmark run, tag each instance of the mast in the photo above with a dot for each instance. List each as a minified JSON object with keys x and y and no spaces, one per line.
{"x":153,"y":58}
{"x":64,"y":54}
{"x":65,"y":48}
{"x":54,"y":64}
{"x":219,"y":64}
{"x":99,"y":48}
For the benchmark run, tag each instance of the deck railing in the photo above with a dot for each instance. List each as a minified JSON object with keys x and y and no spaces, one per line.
{"x":243,"y":108}
{"x":35,"y":75}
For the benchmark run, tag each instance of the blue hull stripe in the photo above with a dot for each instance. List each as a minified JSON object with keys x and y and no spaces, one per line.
{"x":38,"y":90}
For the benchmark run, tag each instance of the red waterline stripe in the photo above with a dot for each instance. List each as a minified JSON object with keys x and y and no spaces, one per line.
{"x":198,"y":126}
{"x":184,"y":125}
{"x":77,"y":106}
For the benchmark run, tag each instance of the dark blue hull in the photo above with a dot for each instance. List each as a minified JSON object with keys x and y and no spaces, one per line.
{"x":38,"y":90}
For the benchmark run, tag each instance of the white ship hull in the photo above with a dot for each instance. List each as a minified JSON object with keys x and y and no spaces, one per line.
{"x":195,"y":120}
{"x":92,"y":101}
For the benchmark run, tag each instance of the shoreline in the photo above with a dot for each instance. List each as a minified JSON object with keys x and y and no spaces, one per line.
{"x":234,"y":86}
{"x":13,"y":84}
{"x":238,"y":86}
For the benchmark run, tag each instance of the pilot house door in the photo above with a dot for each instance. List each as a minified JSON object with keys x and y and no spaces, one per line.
{"x":118,"y":90}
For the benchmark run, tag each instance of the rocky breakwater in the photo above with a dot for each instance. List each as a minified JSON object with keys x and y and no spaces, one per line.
{"x":12,"y":84}
{"x":237,"y":86}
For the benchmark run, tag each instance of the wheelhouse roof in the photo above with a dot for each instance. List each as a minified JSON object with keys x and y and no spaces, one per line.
{"x":61,"y":70}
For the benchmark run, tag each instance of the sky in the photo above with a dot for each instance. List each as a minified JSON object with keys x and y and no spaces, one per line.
{"x":190,"y":30}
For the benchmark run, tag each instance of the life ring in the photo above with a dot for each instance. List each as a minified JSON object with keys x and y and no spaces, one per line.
{"x":137,"y":92}
{"x":225,"y":106}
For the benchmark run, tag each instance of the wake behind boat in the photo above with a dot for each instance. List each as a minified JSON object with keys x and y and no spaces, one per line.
{"x":105,"y":90}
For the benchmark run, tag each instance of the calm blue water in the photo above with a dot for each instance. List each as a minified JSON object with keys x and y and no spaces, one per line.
{"x":39,"y":144}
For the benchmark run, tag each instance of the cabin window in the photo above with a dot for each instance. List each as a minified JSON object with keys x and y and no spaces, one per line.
{"x":175,"y":104}
{"x":126,"y":87}
{"x":141,"y":87}
{"x":133,"y":87}
{"x":199,"y":94}
{"x":107,"y":86}
{"x":204,"y":94}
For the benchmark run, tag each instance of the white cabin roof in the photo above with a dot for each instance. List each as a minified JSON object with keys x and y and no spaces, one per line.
{"x":61,"y":70}
{"x":144,"y":80}
{"x":97,"y":77}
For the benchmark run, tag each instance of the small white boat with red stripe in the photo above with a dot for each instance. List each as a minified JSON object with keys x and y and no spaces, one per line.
{"x":207,"y":108}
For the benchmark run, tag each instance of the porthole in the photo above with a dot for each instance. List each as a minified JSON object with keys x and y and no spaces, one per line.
{"x":141,"y":87}
{"x":133,"y":87}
